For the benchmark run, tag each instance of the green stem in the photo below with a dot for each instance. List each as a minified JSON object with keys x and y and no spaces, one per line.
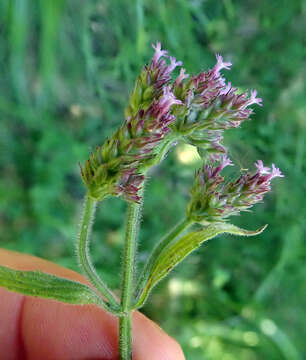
{"x":129,"y":254}
{"x":84,"y":257}
{"x":125,"y":338}
{"x":160,"y":247}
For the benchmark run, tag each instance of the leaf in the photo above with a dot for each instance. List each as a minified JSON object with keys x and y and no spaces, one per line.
{"x":36,"y":283}
{"x":177,"y":251}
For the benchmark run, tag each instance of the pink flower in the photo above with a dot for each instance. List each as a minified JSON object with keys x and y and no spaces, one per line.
{"x":267,"y":173}
{"x":252,"y":100}
{"x":221,"y":65}
{"x":173,"y":64}
{"x":158,"y":52}
{"x":167,"y":100}
{"x":224,"y":161}
{"x":261,"y":168}
{"x":181,"y":76}
{"x":276,"y":172}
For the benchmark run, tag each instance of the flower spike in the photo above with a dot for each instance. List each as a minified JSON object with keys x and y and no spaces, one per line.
{"x":214,"y":200}
{"x":210,"y":106}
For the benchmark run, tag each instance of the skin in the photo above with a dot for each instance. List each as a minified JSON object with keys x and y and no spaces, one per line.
{"x":34,"y":329}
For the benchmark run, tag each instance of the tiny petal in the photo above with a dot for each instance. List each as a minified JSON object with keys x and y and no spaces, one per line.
{"x":276,"y":172}
{"x":221,"y":64}
{"x":158,"y":52}
{"x":168,"y":94}
{"x":253,"y":99}
{"x":181,"y":76}
{"x":261,"y":168}
{"x":226,"y":161}
{"x":173,"y":64}
{"x":167,"y":100}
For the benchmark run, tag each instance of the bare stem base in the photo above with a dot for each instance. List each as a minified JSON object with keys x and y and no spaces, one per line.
{"x":129,"y":254}
{"x":125,"y":339}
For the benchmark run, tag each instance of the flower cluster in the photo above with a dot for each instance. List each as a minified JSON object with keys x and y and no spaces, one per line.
{"x":196,"y":109}
{"x":214,"y":200}
{"x":118,"y":167}
{"x":209,"y":107}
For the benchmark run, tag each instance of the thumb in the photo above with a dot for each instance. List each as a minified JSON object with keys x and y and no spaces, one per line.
{"x":35,"y":328}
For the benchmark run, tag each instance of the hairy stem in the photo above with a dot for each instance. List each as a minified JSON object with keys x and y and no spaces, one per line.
{"x":159,"y":248}
{"x":84,"y":257}
{"x":129,"y":254}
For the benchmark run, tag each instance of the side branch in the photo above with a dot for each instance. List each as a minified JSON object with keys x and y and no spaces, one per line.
{"x":83,"y":253}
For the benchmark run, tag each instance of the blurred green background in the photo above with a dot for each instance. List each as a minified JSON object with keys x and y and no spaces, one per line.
{"x":67,"y":68}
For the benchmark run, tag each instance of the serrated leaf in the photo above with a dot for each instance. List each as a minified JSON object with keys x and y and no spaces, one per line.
{"x":39,"y":284}
{"x":177,"y":251}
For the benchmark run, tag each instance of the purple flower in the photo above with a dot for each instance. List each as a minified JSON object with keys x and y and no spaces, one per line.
{"x":181,"y":77}
{"x":225,"y":161}
{"x":173,"y":64}
{"x":220,"y":65}
{"x":276,"y":172}
{"x":167,"y":100}
{"x":261,"y":168}
{"x":254,"y":99}
{"x":158,"y":53}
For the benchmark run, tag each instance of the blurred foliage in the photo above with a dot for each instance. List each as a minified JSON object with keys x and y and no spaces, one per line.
{"x":66,"y":71}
